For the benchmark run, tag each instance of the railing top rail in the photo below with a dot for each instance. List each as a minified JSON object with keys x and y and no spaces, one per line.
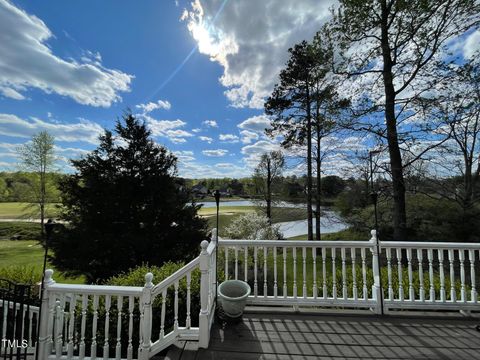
{"x":180,"y":273}
{"x":96,"y":289}
{"x":429,"y":245}
{"x":296,"y":243}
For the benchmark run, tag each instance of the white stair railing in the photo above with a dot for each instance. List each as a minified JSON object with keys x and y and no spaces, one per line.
{"x":116,"y":322}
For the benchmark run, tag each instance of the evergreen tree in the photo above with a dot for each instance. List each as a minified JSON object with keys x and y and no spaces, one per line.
{"x":124,"y":207}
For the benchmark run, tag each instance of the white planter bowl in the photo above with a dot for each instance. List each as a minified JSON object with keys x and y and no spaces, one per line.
{"x":233,"y":297}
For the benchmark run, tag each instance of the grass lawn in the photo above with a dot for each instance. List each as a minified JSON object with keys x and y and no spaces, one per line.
{"x":19,"y":210}
{"x":347,"y":235}
{"x":25,"y":257}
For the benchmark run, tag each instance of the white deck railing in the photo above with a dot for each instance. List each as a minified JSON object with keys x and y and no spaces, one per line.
{"x":123,"y":322}
{"x":414,"y":275}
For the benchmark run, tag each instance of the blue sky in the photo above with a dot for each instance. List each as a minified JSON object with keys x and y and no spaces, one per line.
{"x":76,"y":66}
{"x":195,"y":71}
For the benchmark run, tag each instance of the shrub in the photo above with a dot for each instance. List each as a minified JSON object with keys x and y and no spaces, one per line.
{"x":253,"y":226}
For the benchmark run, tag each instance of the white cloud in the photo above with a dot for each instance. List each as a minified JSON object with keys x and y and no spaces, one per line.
{"x":84,"y":130}
{"x":215,"y":153}
{"x":150,"y":106}
{"x":196,"y":130}
{"x":210,"y":123}
{"x":230,"y":138}
{"x":472,"y":44}
{"x":168,"y":128}
{"x":248,"y":136}
{"x":184,"y":155}
{"x":254,"y":151}
{"x":256,"y":123}
{"x":250,"y":40}
{"x":206,"y":138}
{"x":31,"y":64}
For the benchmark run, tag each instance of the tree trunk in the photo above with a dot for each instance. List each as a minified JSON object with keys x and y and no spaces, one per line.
{"x":399,"y":206}
{"x":309,"y":168}
{"x":269,"y":192}
{"x":319,"y":178}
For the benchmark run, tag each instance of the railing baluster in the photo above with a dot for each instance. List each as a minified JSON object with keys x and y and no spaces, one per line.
{"x":420,"y":274}
{"x":93,"y":347}
{"x":131,"y":305}
{"x":285,"y":289}
{"x":245,"y":260}
{"x":255,"y":269}
{"x":430,"y":273}
{"x":58,"y":328}
{"x":443,"y":293}
{"x":304,"y":257}
{"x":71,"y":327}
{"x":30,"y":327}
{"x":226,"y":262}
{"x":411,"y":292}
{"x":51,"y":312}
{"x":106,"y":345}
{"x":334,"y":273}
{"x":389,"y":273}
{"x":451,"y":258}
{"x":344,"y":273}
{"x":471,"y":258}
{"x":353,"y":254}
{"x":364,"y":274}
{"x":324,"y":273}
{"x":189,"y":320}
{"x":175,"y":307}
{"x":265,"y":254}
{"x":162,"y":316}
{"x":118,"y":347}
{"x":294,"y":254}
{"x":82,"y":326}
{"x":314,"y":265}
{"x":400,"y":274}
{"x":275,"y":286}
{"x":236,"y":263}
{"x":461,"y":257}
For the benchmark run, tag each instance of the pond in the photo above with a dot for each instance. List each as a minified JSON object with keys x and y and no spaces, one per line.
{"x":330,"y":221}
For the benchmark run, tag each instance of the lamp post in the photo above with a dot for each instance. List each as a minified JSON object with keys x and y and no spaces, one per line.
{"x":374,"y":197}
{"x":216,"y":194}
{"x":50,"y":224}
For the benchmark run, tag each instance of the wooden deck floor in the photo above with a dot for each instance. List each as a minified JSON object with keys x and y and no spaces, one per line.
{"x":298,"y":336}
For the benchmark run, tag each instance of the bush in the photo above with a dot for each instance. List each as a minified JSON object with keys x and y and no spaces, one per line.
{"x":20,"y":230}
{"x":253,"y":226}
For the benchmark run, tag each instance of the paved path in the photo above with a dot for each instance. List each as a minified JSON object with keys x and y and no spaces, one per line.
{"x":291,"y":336}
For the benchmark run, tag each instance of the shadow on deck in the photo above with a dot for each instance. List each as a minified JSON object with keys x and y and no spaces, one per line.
{"x":302,"y":336}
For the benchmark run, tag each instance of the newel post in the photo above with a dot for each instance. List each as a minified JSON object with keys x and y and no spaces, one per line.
{"x":204,"y":326}
{"x":44,"y":334}
{"x":377,"y":277}
{"x":147,"y":317}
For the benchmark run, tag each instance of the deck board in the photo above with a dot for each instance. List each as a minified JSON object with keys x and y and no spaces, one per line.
{"x":302,"y":336}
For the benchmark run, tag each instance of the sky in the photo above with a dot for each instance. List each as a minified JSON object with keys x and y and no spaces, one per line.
{"x":195,"y":72}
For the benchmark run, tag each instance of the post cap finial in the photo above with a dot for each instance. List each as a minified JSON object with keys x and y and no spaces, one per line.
{"x":48,"y":276}
{"x":148,"y":280}
{"x":204,"y":245}
{"x":373,"y":233}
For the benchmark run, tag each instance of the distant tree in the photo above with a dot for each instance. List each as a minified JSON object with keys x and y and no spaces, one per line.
{"x":38,"y":157}
{"x":388,"y":51}
{"x":267,"y":172}
{"x":124,"y":208}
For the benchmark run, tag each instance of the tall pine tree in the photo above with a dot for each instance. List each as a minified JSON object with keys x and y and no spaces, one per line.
{"x":124,"y":207}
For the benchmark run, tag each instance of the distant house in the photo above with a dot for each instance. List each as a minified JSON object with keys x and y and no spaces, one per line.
{"x":199,"y":190}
